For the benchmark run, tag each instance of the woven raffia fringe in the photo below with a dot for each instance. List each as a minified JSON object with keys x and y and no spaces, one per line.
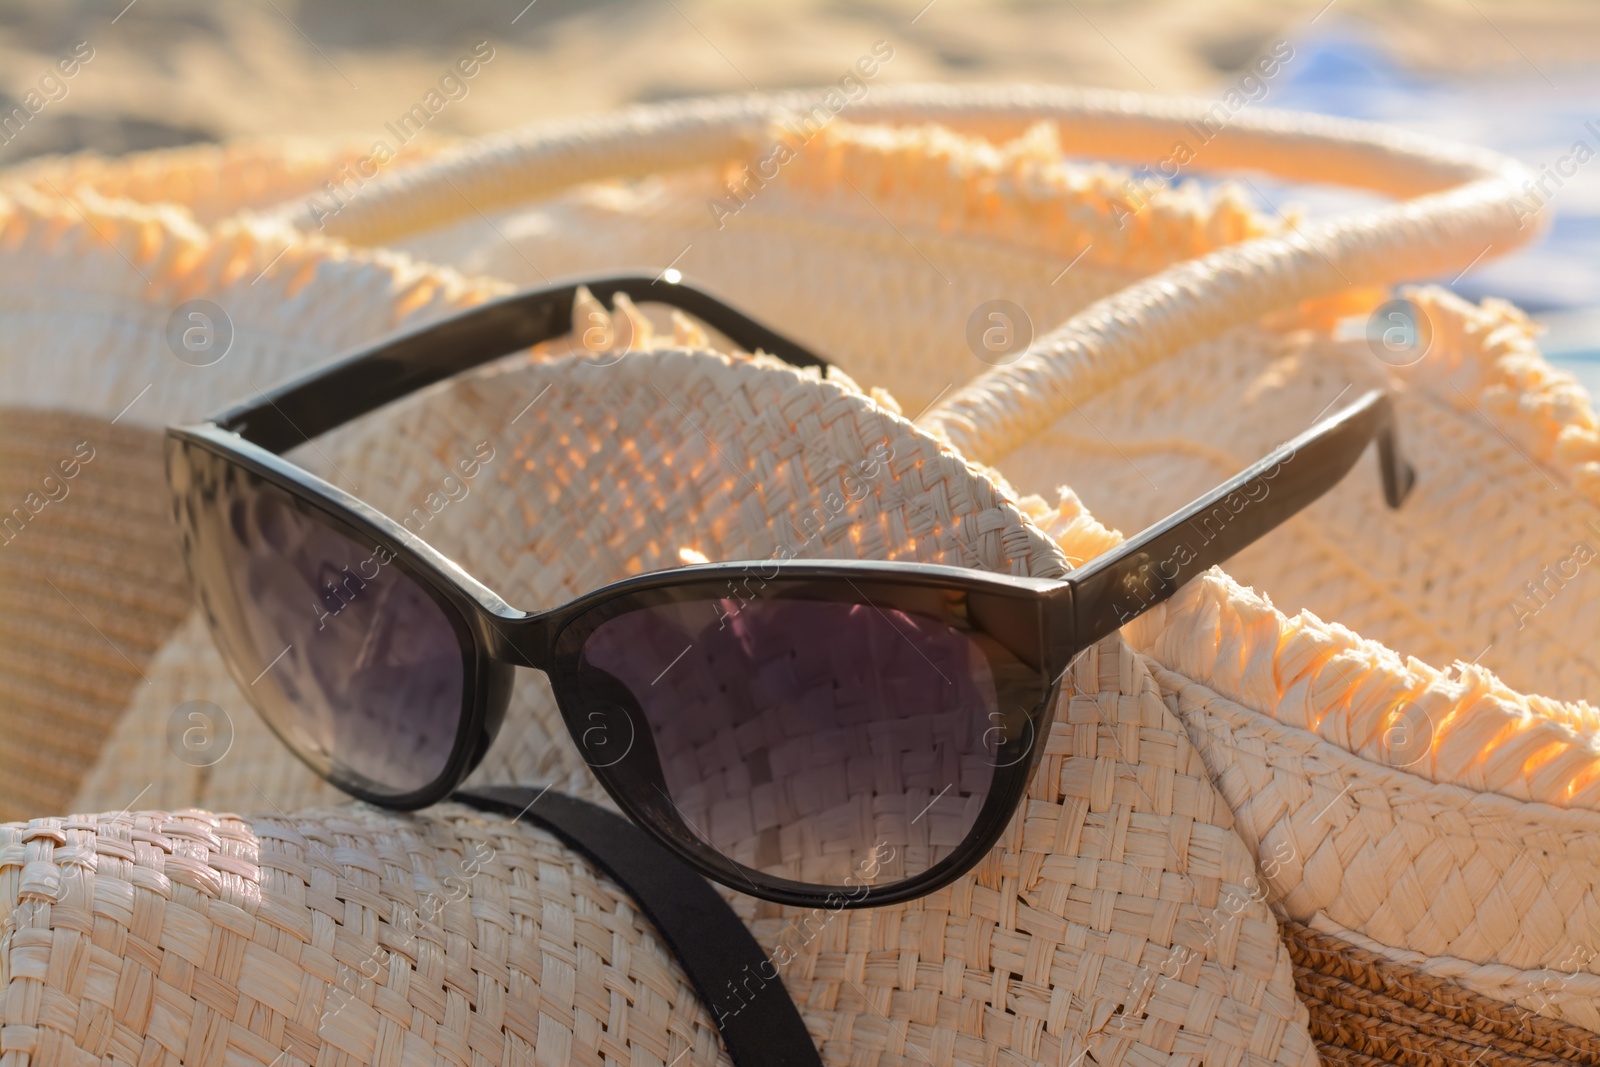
{"x":1123,"y":914}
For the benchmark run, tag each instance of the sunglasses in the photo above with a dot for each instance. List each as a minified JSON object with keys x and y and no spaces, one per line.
{"x":839,"y":733}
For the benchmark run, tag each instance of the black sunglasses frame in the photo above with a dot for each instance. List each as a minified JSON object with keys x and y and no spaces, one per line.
{"x":1044,"y":623}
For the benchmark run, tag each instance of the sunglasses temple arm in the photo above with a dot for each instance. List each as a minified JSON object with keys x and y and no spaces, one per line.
{"x":1118,"y":586}
{"x":400,"y":364}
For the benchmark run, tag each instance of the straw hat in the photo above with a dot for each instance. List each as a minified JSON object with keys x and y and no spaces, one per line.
{"x":1234,"y":819}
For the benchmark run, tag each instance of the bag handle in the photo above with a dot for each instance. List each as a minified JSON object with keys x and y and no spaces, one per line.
{"x":1160,"y":315}
{"x":710,"y":941}
{"x":1458,"y":203}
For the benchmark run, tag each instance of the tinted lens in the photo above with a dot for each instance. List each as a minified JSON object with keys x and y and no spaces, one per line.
{"x":349,"y":658}
{"x":824,"y":742}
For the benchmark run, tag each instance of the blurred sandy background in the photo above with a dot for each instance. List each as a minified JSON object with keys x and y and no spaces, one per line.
{"x":169,"y":72}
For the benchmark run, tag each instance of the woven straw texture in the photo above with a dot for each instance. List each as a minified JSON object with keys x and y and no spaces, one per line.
{"x":91,"y":287}
{"x":919,"y":984}
{"x":1023,"y":935}
{"x":1365,"y":1007}
{"x":91,"y":585}
{"x":234,"y":933}
{"x":330,"y":937}
{"x":1126,"y":412}
{"x":1237,"y":758}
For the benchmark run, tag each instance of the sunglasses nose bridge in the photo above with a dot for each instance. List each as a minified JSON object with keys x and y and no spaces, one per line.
{"x":520,"y":640}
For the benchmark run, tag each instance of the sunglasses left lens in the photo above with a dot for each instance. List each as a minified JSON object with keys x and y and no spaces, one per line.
{"x":350,"y":659}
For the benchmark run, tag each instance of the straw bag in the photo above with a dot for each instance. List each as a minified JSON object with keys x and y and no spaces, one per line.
{"x":1123,"y":917}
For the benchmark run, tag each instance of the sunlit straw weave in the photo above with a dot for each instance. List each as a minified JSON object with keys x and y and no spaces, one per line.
{"x":1242,"y":759}
{"x":339,"y":936}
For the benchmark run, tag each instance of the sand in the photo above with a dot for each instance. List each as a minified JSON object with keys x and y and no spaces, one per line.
{"x":165,"y":73}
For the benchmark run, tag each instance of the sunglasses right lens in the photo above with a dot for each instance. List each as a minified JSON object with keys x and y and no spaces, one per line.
{"x":833,"y":742}
{"x":348,"y":657}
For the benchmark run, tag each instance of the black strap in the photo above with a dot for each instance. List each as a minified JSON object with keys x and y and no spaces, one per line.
{"x":738,"y":983}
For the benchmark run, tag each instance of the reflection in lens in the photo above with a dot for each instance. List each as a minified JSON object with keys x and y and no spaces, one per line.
{"x":349,"y":658}
{"x":824,"y":742}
